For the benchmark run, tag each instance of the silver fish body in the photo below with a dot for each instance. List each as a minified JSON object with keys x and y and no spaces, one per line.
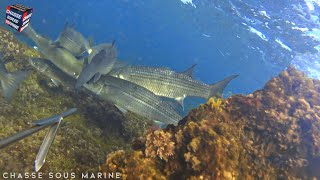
{"x":96,"y":49}
{"x":168,"y":83}
{"x":134,"y":98}
{"x":60,"y":57}
{"x":73,"y":41}
{"x":48,"y":69}
{"x":102,"y":63}
{"x":122,"y":93}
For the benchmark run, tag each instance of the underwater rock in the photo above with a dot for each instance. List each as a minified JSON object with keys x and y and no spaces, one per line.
{"x":273,"y":133}
{"x":82,"y":140}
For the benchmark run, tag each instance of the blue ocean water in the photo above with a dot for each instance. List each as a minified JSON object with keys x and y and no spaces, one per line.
{"x":254,"y":39}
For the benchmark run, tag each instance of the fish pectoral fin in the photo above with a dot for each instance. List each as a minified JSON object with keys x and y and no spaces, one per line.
{"x":189,"y":71}
{"x":81,"y":56}
{"x":172,"y":102}
{"x":11,"y":82}
{"x":96,"y":77}
{"x":180,"y":101}
{"x":124,"y":111}
{"x":91,"y":80}
{"x":161,"y":125}
{"x":55,"y":82}
{"x":56,"y":44}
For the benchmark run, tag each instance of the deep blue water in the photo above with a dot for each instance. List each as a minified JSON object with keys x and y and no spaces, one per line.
{"x":221,"y":37}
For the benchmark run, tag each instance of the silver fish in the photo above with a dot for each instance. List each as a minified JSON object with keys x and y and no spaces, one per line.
{"x":51,"y":71}
{"x":73,"y":41}
{"x":98,"y":48}
{"x":125,"y":95}
{"x":171,"y":84}
{"x":102,"y":63}
{"x":132,"y":97}
{"x":10,"y":81}
{"x":60,"y":57}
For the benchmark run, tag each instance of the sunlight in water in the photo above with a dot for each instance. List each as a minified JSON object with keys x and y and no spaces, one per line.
{"x":188,"y":2}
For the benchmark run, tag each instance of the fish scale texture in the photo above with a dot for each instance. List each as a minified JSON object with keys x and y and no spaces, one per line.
{"x":159,"y":78}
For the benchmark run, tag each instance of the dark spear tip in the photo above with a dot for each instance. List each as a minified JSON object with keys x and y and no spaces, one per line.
{"x":20,"y":135}
{"x":38,"y":125}
{"x":68,"y":112}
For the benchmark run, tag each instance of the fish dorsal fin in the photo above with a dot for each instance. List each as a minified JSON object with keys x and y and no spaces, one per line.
{"x":189,"y":71}
{"x":90,"y":41}
{"x":180,"y":101}
{"x":113,"y":42}
{"x":71,"y":25}
{"x":66,"y":25}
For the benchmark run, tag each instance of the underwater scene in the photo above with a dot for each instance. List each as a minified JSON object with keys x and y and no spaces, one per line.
{"x":160,"y":89}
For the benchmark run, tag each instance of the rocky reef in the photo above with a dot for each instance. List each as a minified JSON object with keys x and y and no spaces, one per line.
{"x":272,"y":133}
{"x":83,"y":139}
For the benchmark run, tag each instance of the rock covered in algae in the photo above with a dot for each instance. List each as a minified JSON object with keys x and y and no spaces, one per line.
{"x":270,"y":134}
{"x":82,"y":140}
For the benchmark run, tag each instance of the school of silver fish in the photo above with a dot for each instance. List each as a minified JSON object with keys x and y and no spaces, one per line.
{"x":72,"y":60}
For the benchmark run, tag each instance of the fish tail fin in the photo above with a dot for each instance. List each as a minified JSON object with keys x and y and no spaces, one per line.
{"x":216,"y":89}
{"x":11,"y":82}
